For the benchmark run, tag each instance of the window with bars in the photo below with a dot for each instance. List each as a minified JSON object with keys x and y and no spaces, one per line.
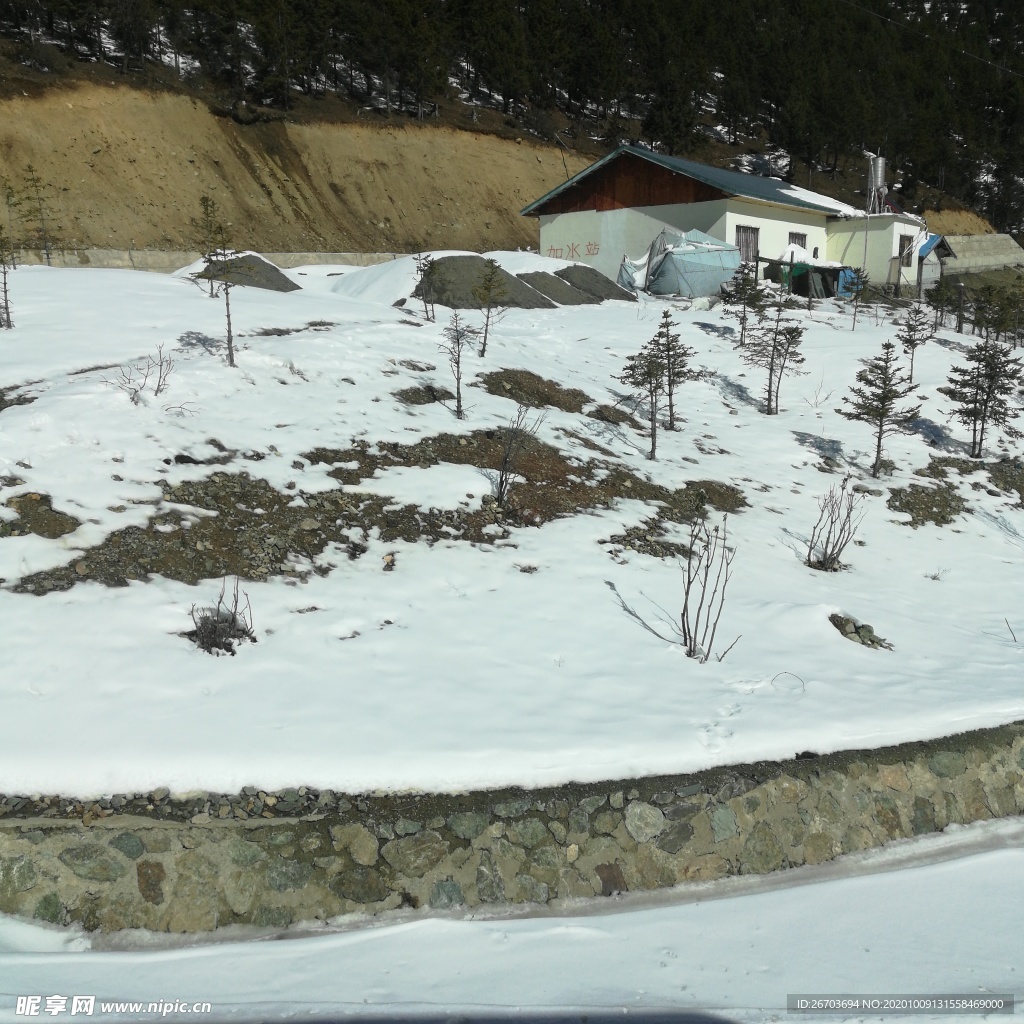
{"x":906,"y":250}
{"x":747,"y":242}
{"x":798,"y":238}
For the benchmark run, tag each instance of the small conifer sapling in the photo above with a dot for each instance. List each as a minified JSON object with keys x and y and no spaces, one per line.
{"x":773,"y":346}
{"x":458,"y":337}
{"x":980,"y":391}
{"x":745,"y":300}
{"x":857,"y":285}
{"x":881,"y":387}
{"x":490,"y":292}
{"x":676,"y":358}
{"x":6,"y":265}
{"x":645,"y":373}
{"x":913,"y":333}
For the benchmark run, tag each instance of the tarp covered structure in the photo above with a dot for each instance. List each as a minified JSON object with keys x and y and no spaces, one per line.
{"x":689,"y":264}
{"x":802,"y":274}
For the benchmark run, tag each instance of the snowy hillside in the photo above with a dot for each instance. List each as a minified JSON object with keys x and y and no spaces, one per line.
{"x":410,"y":637}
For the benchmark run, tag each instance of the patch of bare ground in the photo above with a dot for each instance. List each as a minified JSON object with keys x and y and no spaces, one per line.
{"x":1005,"y":475}
{"x":256,"y":531}
{"x":36,"y":515}
{"x":526,"y":388}
{"x":17,"y":395}
{"x":613,"y":414}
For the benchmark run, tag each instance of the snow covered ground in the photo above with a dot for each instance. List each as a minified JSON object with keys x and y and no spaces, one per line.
{"x":928,"y":916}
{"x":482,"y":674}
{"x":487,"y":675}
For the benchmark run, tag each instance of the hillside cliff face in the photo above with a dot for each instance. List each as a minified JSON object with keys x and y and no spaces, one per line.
{"x":126,"y":168}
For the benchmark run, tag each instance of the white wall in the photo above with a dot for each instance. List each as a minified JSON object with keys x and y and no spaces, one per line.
{"x":602,"y":239}
{"x":775,"y":224}
{"x":846,"y":243}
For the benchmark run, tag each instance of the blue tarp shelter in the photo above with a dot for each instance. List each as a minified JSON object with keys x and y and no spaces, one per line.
{"x":689,"y":264}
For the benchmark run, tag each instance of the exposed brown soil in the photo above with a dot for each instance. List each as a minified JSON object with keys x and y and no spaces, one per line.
{"x":957,"y":222}
{"x":127,"y":167}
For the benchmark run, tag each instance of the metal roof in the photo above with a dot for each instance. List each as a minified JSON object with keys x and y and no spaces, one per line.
{"x":747,"y":186}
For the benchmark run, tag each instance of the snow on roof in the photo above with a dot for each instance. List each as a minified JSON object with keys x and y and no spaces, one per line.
{"x":798,"y":254}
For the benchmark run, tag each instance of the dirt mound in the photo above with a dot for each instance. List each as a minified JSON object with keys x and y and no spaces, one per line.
{"x":593,"y":282}
{"x":451,"y":280}
{"x":957,"y":222}
{"x":556,"y":289}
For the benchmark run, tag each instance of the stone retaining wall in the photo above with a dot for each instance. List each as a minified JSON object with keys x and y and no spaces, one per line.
{"x":167,"y":261}
{"x":197,"y":863}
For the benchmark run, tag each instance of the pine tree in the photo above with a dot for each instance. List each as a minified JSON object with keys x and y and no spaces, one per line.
{"x":773,"y":345}
{"x":6,"y":265}
{"x":857,"y":284}
{"x":745,"y":299}
{"x":489,"y":292}
{"x":645,"y":373}
{"x":876,"y":401}
{"x":424,"y":283}
{"x":979,"y":391}
{"x":943,"y":299}
{"x":210,"y":236}
{"x":34,"y":200}
{"x":788,"y":357}
{"x":675,"y":356}
{"x":457,"y":338}
{"x":913,"y":333}
{"x":11,"y":201}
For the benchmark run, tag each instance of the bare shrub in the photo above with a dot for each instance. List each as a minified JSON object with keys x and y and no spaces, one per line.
{"x":516,"y":436}
{"x":219,"y":628}
{"x":706,"y":576}
{"x":134,"y":378}
{"x":837,"y":523}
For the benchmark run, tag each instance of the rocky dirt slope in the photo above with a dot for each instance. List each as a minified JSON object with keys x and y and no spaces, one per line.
{"x":126,"y":168}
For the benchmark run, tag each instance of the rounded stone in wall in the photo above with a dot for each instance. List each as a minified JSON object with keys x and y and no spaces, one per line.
{"x":644,"y":821}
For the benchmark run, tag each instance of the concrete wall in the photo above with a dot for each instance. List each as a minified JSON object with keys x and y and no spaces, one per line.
{"x":196,"y":863}
{"x":167,"y":261}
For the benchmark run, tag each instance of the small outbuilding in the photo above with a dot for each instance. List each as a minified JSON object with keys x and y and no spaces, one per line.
{"x":967,"y":254}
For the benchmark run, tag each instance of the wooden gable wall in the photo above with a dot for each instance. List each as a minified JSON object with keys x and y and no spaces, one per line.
{"x":630,"y":181}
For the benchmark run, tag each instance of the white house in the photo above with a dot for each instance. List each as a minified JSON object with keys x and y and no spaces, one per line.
{"x":616,"y":207}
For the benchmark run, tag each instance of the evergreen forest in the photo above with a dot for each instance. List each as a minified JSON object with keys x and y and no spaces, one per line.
{"x":936,"y":86}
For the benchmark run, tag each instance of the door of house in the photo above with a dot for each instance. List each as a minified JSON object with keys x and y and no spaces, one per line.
{"x":747,"y":242}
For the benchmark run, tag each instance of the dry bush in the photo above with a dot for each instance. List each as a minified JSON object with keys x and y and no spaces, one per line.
{"x":218,"y":629}
{"x":835,"y":528}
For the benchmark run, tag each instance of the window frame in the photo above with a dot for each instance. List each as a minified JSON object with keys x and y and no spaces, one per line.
{"x":906,"y":250}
